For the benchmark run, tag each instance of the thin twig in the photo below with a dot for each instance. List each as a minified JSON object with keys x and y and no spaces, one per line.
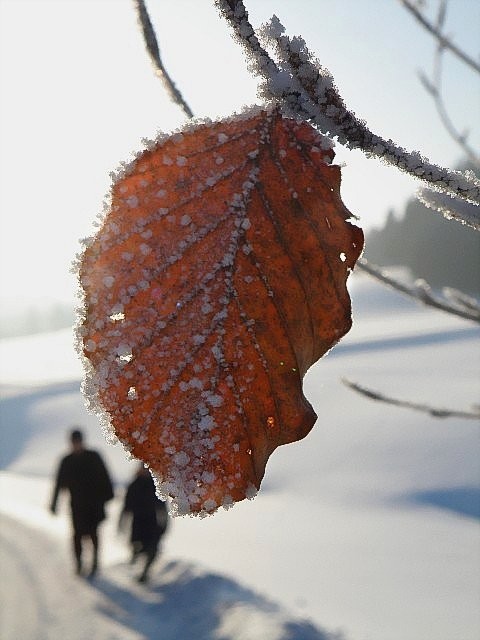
{"x":425,"y":408}
{"x":153,"y":49}
{"x":442,"y":40}
{"x":434,"y":88}
{"x":422,"y":292}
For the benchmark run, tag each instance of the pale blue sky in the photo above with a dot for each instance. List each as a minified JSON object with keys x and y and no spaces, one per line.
{"x":78,"y":94}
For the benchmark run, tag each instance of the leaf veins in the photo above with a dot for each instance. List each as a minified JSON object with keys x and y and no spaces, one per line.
{"x":217,"y":278}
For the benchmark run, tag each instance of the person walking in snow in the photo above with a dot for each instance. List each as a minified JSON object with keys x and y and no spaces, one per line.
{"x":84,"y":474}
{"x":149,"y":518}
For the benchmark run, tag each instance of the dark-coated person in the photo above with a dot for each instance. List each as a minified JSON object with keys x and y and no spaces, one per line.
{"x":84,"y":475}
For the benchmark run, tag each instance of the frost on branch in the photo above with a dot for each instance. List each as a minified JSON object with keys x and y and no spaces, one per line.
{"x":451,"y":208}
{"x":217,"y":278}
{"x":452,"y":301}
{"x":303,"y":89}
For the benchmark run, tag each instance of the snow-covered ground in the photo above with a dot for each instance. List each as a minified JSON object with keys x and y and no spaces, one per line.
{"x":369,"y":526}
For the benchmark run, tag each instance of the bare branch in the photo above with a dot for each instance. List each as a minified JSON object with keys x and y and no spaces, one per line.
{"x":442,"y":40}
{"x":425,"y":408}
{"x":153,"y":49}
{"x":304,"y":89}
{"x":441,"y":15}
{"x":423,"y":293}
{"x":434,"y":88}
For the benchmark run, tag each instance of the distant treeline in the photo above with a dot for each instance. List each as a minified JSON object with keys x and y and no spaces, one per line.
{"x":35,"y":319}
{"x":442,"y":252}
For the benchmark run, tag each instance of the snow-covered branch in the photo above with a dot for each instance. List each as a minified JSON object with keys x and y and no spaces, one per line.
{"x":451,"y":208}
{"x":453,"y":301}
{"x":304,"y":89}
{"x":153,"y":49}
{"x":442,"y":39}
{"x":436,"y":412}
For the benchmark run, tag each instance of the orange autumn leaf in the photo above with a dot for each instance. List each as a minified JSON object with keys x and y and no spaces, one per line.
{"x":217,"y":278}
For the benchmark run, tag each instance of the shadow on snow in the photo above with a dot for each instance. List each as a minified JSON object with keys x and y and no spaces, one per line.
{"x":403,"y":342}
{"x":17,"y":426}
{"x":183,"y":602}
{"x":463,"y":501}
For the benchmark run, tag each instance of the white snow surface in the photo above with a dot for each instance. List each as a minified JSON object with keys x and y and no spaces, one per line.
{"x":344,"y":537}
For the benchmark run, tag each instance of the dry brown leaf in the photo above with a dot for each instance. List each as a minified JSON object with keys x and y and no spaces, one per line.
{"x":217,"y":279}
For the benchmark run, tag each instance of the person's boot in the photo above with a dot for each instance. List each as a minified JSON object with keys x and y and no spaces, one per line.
{"x":94,"y":568}
{"x":77,"y":551}
{"x":148,"y":563}
{"x":143,"y":577}
{"x":78,"y":562}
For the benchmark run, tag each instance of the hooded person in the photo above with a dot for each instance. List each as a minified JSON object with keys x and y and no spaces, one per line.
{"x":149,"y":518}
